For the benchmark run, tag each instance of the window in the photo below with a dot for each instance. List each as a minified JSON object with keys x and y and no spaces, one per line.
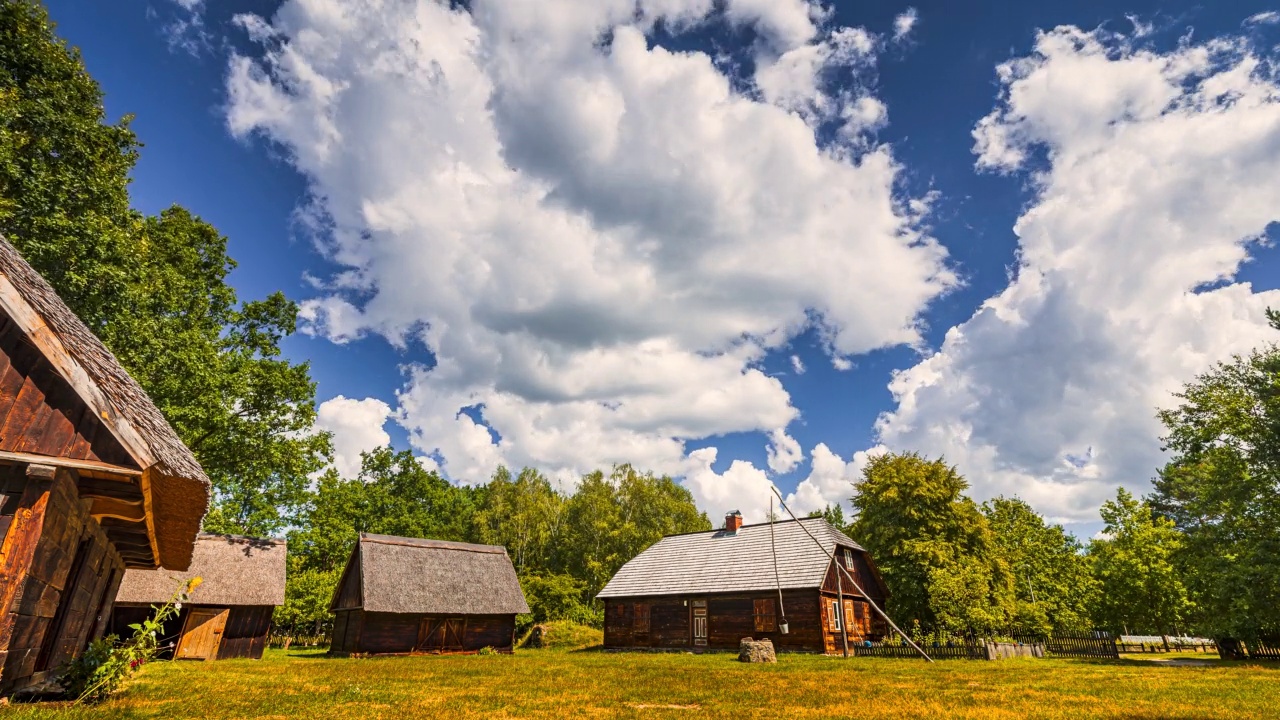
{"x":848,"y":559}
{"x":833,"y":619}
{"x":640,"y":619}
{"x":766,"y":619}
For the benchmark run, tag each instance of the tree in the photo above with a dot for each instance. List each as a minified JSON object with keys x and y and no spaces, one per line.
{"x":833,"y":514}
{"x":1140,"y":590}
{"x":523,"y":514}
{"x":932,"y":544}
{"x":1053,"y":588}
{"x":1222,"y":490}
{"x":153,"y":289}
{"x":610,"y":520}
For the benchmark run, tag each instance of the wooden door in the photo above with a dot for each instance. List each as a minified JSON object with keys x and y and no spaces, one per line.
{"x":437,"y":634}
{"x":698,"y":610}
{"x":202,"y":634}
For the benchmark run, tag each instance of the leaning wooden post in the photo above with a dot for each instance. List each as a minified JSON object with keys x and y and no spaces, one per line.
{"x":855,"y":584}
{"x":844,"y":621}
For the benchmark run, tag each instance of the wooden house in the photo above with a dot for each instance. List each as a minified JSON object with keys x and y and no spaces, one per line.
{"x":709,"y":590}
{"x":228,"y":615}
{"x":408,"y":596}
{"x":92,"y":480}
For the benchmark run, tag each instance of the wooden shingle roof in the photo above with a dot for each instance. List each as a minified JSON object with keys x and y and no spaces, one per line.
{"x":235,"y":571}
{"x":717,"y":561}
{"x":412,"y":575}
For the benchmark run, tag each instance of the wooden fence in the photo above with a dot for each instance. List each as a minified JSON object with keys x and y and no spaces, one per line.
{"x":286,"y":641}
{"x":1263,"y":648}
{"x":953,"y":651}
{"x":1165,"y":645}
{"x":1076,"y":645}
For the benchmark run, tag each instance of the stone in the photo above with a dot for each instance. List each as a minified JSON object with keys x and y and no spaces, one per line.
{"x":756,"y":651}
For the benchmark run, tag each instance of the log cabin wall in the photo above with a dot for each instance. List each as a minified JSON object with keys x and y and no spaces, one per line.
{"x":58,"y":576}
{"x":41,"y":413}
{"x":730,"y":617}
{"x":246,"y":633}
{"x":374,"y":633}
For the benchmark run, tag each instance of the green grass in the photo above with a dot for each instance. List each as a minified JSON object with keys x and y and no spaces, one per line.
{"x":553,"y":684}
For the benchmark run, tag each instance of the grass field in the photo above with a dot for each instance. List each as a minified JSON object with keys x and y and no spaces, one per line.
{"x":557,"y":683}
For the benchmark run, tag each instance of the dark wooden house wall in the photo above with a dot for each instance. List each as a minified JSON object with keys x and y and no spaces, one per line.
{"x":40,"y":412}
{"x":730,"y":617}
{"x":245,"y":635}
{"x":58,"y":578}
{"x":358,"y":632}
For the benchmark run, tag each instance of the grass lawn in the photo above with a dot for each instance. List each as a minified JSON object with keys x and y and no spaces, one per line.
{"x":557,"y":683}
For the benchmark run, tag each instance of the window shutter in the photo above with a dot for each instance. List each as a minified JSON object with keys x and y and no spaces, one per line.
{"x":765,"y":620}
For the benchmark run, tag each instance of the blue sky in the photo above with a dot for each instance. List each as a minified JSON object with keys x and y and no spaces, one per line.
{"x":1139,"y":264}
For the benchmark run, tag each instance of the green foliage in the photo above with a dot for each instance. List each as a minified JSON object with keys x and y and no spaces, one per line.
{"x":610,"y":520}
{"x":557,"y":597}
{"x":1140,"y":588}
{"x":1220,"y":489}
{"x":100,"y":670}
{"x":1053,"y":586}
{"x":523,"y":514}
{"x":833,"y":514}
{"x":152,"y":288}
{"x":563,"y":635}
{"x":933,"y":545}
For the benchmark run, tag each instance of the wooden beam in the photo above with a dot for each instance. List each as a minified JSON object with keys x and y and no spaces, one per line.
{"x":93,"y":466}
{"x":50,"y":345}
{"x":118,"y":509}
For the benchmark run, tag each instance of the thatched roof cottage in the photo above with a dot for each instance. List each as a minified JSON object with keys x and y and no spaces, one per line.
{"x":407,"y":595}
{"x":229,"y":614}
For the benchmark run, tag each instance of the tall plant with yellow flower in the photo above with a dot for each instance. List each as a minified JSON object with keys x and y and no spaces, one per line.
{"x":101,"y":669}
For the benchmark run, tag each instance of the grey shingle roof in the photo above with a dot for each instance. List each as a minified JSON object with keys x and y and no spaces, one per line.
{"x":235,"y":571}
{"x":411,"y":575}
{"x":715,"y":561}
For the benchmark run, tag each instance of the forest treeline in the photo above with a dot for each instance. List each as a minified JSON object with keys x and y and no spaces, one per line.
{"x":1199,"y":553}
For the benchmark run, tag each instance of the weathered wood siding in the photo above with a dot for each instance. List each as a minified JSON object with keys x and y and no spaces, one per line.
{"x":40,"y":412}
{"x":730,"y":617}
{"x":349,"y":586}
{"x":357,"y":631}
{"x":246,"y":633}
{"x":58,"y":576}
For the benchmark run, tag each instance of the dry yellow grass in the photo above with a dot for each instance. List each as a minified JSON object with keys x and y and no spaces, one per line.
{"x":554,"y":684}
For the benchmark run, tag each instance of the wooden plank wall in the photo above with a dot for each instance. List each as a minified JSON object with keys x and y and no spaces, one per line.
{"x":246,"y":633}
{"x":357,"y":631}
{"x":349,"y":590}
{"x":730,"y":617}
{"x":50,"y":525}
{"x":41,"y":413}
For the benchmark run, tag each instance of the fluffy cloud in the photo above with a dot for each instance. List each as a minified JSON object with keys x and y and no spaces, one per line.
{"x":598,"y":239}
{"x":1158,"y":177}
{"x":357,"y":426}
{"x":830,"y":480}
{"x":186,"y":31}
{"x":904,"y":23}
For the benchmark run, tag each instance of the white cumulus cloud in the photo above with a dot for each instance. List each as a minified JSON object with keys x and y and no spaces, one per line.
{"x":357,"y":426}
{"x":904,"y":23}
{"x":1159,"y":179}
{"x":599,"y":239}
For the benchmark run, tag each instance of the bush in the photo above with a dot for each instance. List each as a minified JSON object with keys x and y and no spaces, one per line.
{"x":557,"y":597}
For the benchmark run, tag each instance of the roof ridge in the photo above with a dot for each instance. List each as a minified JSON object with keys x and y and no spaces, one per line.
{"x":432,"y":544}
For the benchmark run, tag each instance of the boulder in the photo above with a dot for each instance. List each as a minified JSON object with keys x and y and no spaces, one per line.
{"x":755,"y":651}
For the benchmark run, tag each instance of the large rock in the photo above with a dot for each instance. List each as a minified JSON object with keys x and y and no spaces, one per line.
{"x":756,"y":651}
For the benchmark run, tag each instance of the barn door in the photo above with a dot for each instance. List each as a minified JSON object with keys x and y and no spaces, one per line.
{"x":436,"y":634}
{"x":698,"y":609}
{"x":202,"y":634}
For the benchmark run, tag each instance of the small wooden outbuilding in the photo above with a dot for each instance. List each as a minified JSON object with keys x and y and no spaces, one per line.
{"x":408,"y":596}
{"x":708,"y":590}
{"x":228,"y":615}
{"x":92,"y":480}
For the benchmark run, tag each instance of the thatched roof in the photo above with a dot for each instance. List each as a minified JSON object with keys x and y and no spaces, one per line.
{"x":718,"y":561}
{"x":235,"y":570}
{"x":410,"y":575}
{"x":179,"y":487}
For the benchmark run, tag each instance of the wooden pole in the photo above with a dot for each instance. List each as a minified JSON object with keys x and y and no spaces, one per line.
{"x":844,"y":621}
{"x":777,"y":579}
{"x":857,"y":587}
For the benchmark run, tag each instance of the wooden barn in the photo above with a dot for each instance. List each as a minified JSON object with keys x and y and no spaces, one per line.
{"x":708,"y":590}
{"x":228,"y":616}
{"x":403,"y":596}
{"x":92,"y":480}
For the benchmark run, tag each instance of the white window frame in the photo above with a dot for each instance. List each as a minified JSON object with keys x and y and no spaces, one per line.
{"x":848,"y":559}
{"x":835,"y":615}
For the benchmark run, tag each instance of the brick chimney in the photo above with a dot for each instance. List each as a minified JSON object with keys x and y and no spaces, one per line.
{"x":732,"y":521}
